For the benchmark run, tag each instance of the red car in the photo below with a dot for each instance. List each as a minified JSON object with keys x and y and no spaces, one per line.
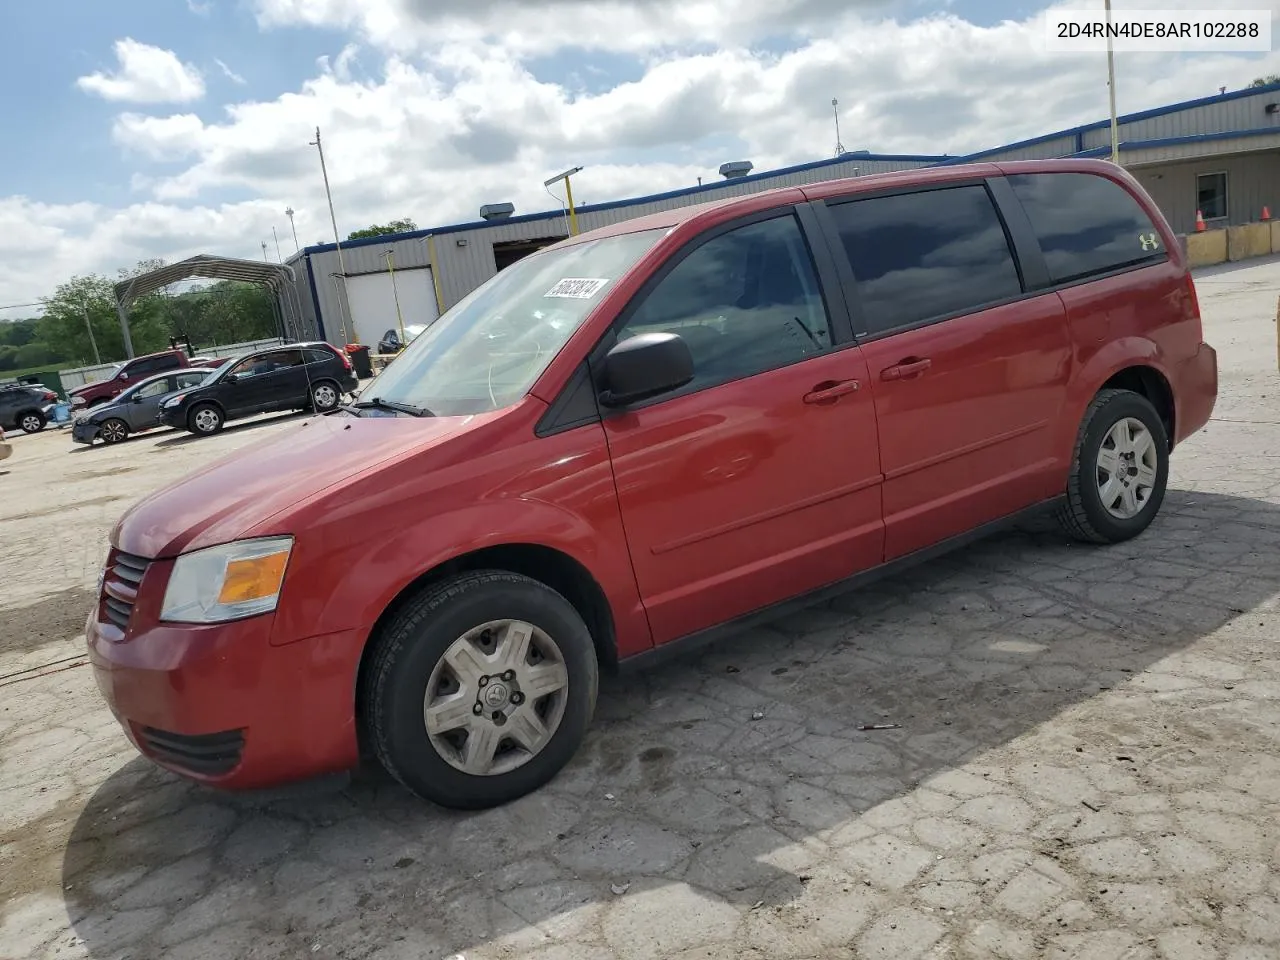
{"x":126,"y":374}
{"x":644,"y":436}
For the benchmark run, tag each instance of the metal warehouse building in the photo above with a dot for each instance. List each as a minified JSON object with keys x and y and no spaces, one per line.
{"x":1218,"y":155}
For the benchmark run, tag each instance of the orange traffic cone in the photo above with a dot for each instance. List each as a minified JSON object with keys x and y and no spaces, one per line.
{"x":1199,"y":222}
{"x":1266,"y":212}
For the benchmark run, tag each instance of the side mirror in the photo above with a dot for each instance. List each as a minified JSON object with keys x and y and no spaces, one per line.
{"x":136,"y":399}
{"x":231,"y":378}
{"x":123,"y":375}
{"x":645,"y":366}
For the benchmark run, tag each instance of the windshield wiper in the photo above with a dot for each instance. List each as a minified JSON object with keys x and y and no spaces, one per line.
{"x":377,"y":403}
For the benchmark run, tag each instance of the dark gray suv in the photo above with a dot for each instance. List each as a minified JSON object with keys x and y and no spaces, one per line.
{"x":25,"y":406}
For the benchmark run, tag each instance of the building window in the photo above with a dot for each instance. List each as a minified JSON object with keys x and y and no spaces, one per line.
{"x":1211,"y":195}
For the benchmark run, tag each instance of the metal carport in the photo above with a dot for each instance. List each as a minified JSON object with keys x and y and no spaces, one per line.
{"x":279,"y":277}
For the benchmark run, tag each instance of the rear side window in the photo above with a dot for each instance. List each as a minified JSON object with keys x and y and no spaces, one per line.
{"x":1086,"y":224}
{"x":319,"y":355}
{"x":144,"y":368}
{"x":928,"y":255}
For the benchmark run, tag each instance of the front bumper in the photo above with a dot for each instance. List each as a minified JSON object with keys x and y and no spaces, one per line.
{"x":219,"y":703}
{"x":175,"y":417}
{"x":82,"y":431}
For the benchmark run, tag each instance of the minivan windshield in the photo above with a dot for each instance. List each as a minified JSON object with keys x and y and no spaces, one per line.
{"x":485,"y":352}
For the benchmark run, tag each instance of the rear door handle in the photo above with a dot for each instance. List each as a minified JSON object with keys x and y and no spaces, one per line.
{"x":831,"y":390}
{"x":905,"y":369}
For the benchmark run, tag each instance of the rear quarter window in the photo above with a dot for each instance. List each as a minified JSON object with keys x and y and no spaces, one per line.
{"x":1086,"y":224}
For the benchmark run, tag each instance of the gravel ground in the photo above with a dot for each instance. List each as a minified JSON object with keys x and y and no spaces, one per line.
{"x":1087,"y":763}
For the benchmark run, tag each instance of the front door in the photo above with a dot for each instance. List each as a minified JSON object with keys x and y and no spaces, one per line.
{"x":760,"y":480}
{"x":968,"y":374}
{"x":144,"y":410}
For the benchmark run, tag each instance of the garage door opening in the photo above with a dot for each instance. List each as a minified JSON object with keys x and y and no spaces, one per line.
{"x":508,"y":252}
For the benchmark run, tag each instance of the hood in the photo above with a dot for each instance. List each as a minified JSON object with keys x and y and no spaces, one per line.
{"x":232,"y":496}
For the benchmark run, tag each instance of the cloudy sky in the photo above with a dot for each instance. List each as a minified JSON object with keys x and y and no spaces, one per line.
{"x":165,"y":128}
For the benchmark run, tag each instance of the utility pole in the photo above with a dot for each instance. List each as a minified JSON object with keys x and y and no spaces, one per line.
{"x":337,"y":241}
{"x":93,"y":341}
{"x":1111,"y":89}
{"x":288,"y":212}
{"x":835,"y":111}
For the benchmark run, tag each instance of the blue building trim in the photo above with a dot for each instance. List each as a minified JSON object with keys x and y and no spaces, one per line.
{"x":315,"y":299}
{"x":1129,"y":145}
{"x":1079,"y":132}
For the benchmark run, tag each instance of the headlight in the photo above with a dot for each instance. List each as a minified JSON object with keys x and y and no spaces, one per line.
{"x":174,"y":401}
{"x":77,"y":401}
{"x":227,"y":582}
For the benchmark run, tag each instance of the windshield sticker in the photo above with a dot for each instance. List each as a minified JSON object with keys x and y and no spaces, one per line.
{"x":576,"y":288}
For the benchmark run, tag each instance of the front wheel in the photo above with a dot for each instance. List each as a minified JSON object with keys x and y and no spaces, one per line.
{"x":206,"y":419}
{"x":114,"y":431}
{"x":1120,"y":469}
{"x":481,"y":689}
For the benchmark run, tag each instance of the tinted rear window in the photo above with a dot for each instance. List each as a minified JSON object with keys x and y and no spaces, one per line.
{"x":918,"y":256}
{"x":1086,"y":224}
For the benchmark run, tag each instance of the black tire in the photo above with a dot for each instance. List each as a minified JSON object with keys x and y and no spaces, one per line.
{"x":31,"y":421}
{"x":325,"y":396}
{"x":113,"y":430}
{"x":407,"y":651}
{"x":205,"y":419}
{"x":1083,"y":514}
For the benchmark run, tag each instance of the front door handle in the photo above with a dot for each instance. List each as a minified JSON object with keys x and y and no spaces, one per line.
{"x":831,"y":390}
{"x":905,"y":369}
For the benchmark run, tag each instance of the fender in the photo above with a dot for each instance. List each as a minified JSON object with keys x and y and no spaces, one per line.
{"x":1104,"y":364}
{"x":351,"y":580}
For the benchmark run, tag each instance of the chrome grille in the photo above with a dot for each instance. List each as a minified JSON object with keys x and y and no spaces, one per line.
{"x":120,"y":582}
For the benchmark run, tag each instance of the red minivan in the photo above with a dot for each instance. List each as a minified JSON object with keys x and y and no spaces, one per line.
{"x":648,"y":435}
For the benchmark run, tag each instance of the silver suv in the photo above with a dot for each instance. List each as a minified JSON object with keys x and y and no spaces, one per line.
{"x":26,"y":406}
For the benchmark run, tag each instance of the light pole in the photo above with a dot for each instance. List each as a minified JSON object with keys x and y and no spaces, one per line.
{"x":276,"y":237}
{"x":337,"y":241}
{"x":265,"y":258}
{"x":568,"y":190}
{"x":1111,"y":89}
{"x":835,"y":111}
{"x":288,"y":212}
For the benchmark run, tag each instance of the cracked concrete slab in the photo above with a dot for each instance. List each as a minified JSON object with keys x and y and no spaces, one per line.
{"x":1087,"y":763}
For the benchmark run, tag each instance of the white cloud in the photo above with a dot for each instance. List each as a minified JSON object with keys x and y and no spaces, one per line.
{"x":435,"y":136}
{"x":229,"y":73}
{"x":145,"y":74}
{"x":200,"y":9}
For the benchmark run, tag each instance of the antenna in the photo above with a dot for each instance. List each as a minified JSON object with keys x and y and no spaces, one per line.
{"x":835,"y":112}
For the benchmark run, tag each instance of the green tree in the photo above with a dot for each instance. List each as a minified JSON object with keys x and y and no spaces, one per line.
{"x":18,"y":333}
{"x":403,"y":225}
{"x":1266,"y":81}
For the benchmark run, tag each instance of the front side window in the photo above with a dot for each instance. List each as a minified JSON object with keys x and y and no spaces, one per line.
{"x":745,"y":302}
{"x":1086,"y":224}
{"x":929,"y":255}
{"x":186,"y":380}
{"x":1211,"y":195}
{"x":485,"y":352}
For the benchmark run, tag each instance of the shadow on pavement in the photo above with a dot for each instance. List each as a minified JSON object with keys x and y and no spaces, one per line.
{"x":724,"y":781}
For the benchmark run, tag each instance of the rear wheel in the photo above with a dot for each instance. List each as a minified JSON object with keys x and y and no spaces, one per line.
{"x":324,"y":396}
{"x":1120,"y":469}
{"x":114,"y":430}
{"x":31,"y":421}
{"x":481,"y":689}
{"x":205,"y":419}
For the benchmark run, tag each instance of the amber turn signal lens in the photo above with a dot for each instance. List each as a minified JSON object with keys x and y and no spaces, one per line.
{"x":253,"y":579}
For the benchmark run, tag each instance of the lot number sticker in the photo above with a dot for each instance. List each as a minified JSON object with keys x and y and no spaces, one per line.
{"x":572,"y":288}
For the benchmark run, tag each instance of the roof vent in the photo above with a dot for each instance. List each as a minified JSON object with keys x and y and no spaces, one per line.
{"x":735,"y":169}
{"x":497,"y":211}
